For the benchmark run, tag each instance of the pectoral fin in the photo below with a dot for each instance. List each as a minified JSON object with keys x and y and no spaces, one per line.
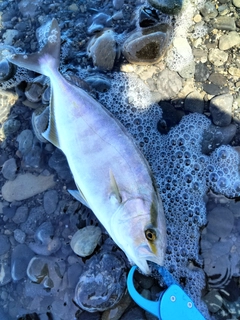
{"x":115,"y":194}
{"x":78,"y":195}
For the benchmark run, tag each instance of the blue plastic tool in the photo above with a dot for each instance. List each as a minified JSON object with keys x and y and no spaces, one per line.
{"x":173,"y":302}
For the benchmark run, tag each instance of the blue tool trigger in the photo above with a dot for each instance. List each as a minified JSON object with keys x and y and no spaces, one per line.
{"x":173,"y":302}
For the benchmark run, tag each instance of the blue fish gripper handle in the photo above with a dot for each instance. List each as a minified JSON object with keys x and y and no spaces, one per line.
{"x":173,"y":302}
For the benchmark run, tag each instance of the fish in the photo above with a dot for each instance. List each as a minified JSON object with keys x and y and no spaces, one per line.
{"x":111,"y":174}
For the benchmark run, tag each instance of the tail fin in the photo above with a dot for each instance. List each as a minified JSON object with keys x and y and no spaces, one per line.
{"x":45,"y":60}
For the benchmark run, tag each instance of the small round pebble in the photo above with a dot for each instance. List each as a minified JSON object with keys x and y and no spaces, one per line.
{"x":19,"y":235}
{"x":9,"y":169}
{"x":221,"y":109}
{"x":50,"y":201}
{"x":85,"y":240}
{"x":21,"y":215}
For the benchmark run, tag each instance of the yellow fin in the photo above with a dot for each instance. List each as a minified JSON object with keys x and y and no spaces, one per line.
{"x":114,"y":187}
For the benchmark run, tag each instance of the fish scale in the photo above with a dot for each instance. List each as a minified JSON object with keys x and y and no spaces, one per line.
{"x":112,"y":176}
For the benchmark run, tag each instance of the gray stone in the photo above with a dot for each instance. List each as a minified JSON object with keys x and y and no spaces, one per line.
{"x":25,"y":186}
{"x":59,"y":163}
{"x":201,"y":72}
{"x":218,"y":79}
{"x":225,"y":23}
{"x":134,"y":313}
{"x":217,"y":57}
{"x":221,"y":109}
{"x":5,"y":275}
{"x":148,"y":45}
{"x":229,"y":40}
{"x":167,"y":6}
{"x":20,"y":258}
{"x":35,"y":218}
{"x":50,"y":201}
{"x":25,"y":140}
{"x":117,"y":4}
{"x":217,"y":136}
{"x":214,"y":89}
{"x":85,"y":240}
{"x":19,"y":235}
{"x":99,"y":288}
{"x":194,"y":102}
{"x":209,"y":11}
{"x":236,"y":3}
{"x":4,"y":244}
{"x":220,"y":222}
{"x":213,"y":300}
{"x":20,"y":215}
{"x":102,"y":50}
{"x":9,"y":169}
{"x":169,"y":83}
{"x":11,"y":126}
{"x":188,"y":71}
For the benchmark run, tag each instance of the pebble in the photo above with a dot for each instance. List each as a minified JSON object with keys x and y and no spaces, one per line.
{"x":20,"y":258}
{"x":201,"y":72}
{"x":35,"y":218}
{"x":167,"y":6}
{"x":59,"y":163}
{"x":19,"y":235}
{"x":21,"y":215}
{"x":221,"y":109}
{"x":99,"y":22}
{"x":11,"y":126}
{"x":234,"y":71}
{"x":99,"y":288}
{"x":5,"y":274}
{"x":188,"y":71}
{"x":214,"y":89}
{"x":9,"y":211}
{"x":231,"y":291}
{"x":146,"y":46}
{"x":9,"y":169}
{"x":217,"y":136}
{"x":236,"y":3}
{"x":14,"y":190}
{"x":50,"y":201}
{"x":117,"y":311}
{"x":229,"y":40}
{"x":213,"y":300}
{"x":102,"y":50}
{"x":220,"y":222}
{"x":117,"y":4}
{"x":209,"y":11}
{"x":90,"y":316}
{"x":134,"y":313}
{"x":99,"y":82}
{"x":224,"y":23}
{"x":217,"y":57}
{"x":25,"y":140}
{"x":7,"y":70}
{"x":7,"y":100}
{"x":218,"y":79}
{"x":85,"y":240}
{"x":4,"y":244}
{"x":194,"y":102}
{"x":169,"y":83}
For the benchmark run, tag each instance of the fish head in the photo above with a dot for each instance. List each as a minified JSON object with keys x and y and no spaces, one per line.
{"x":138,"y":227}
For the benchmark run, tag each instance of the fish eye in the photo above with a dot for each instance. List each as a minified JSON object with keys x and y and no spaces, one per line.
{"x":150,"y":234}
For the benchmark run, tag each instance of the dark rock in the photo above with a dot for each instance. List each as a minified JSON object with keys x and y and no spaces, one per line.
{"x":9,"y":169}
{"x":209,"y":11}
{"x":225,"y":23}
{"x":103,"y":283}
{"x":148,"y":17}
{"x":214,"y":89}
{"x":221,"y":109}
{"x":90,"y":316}
{"x":7,"y":70}
{"x":218,"y":79}
{"x":11,"y":126}
{"x":168,"y":7}
{"x":25,"y":140}
{"x":194,"y":102}
{"x":148,"y":45}
{"x":50,"y":201}
{"x":134,"y":313}
{"x":4,"y":244}
{"x":35,"y":218}
{"x":231,"y":291}
{"x":9,"y":211}
{"x":217,"y":136}
{"x":171,"y":117}
{"x":201,"y":72}
{"x":21,"y":256}
{"x":20,"y":215}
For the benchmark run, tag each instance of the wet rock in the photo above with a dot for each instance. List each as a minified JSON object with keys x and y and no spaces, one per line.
{"x":47,"y":271}
{"x":135,"y":313}
{"x":229,"y":40}
{"x":19,"y":235}
{"x":85,"y":240}
{"x":231,"y":291}
{"x":102,"y":50}
{"x":167,"y":6}
{"x":25,"y":140}
{"x":9,"y":169}
{"x":194,"y":102}
{"x":209,"y":11}
{"x":148,"y":45}
{"x":217,"y":136}
{"x":214,"y":89}
{"x":217,"y":57}
{"x":99,"y":22}
{"x":20,"y":258}
{"x":7,"y":69}
{"x":9,"y":211}
{"x":221,"y":109}
{"x":99,"y":82}
{"x":35,"y":89}
{"x":59,"y":163}
{"x":45,"y":243}
{"x":73,"y":273}
{"x":5,"y":274}
{"x":220,"y":222}
{"x":4,"y":244}
{"x":188,"y":71}
{"x":218,"y":79}
{"x":103,"y":283}
{"x":21,"y":215}
{"x":213,"y":300}
{"x":25,"y":186}
{"x":225,"y":23}
{"x":33,"y":158}
{"x":35,"y":218}
{"x":148,"y":17}
{"x":116,"y":312}
{"x":11,"y":126}
{"x":90,"y":316}
{"x":169,"y":83}
{"x":50,"y":201}
{"x":201,"y":72}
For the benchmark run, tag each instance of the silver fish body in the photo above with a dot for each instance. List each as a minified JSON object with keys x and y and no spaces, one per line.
{"x":112,"y":176}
